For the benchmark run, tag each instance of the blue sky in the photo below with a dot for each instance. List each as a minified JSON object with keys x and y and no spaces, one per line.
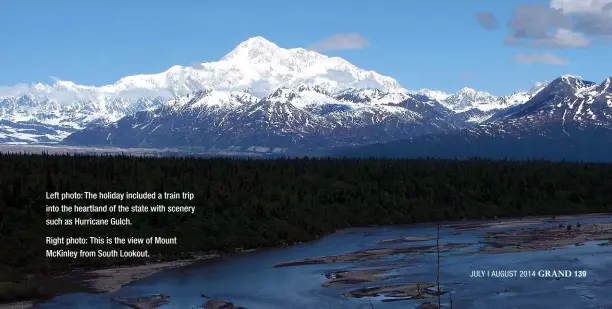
{"x":437,"y":44}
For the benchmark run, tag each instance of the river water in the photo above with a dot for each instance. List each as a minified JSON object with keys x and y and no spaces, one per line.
{"x":251,"y":281}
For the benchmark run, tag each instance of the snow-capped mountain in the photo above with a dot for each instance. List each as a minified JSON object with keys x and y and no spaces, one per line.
{"x":566,"y":99}
{"x":468,"y":98}
{"x":256,"y":65}
{"x":49,"y":114}
{"x":263,"y":66}
{"x":569,"y":118}
{"x":474,"y":107}
{"x":303,"y":118}
{"x":437,"y":95}
{"x":470,"y":101}
{"x":521,"y":97}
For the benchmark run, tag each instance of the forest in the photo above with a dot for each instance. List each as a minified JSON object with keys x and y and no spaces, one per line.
{"x":255,"y":203}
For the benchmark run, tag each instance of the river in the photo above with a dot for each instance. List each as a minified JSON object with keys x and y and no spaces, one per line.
{"x":251,"y":281}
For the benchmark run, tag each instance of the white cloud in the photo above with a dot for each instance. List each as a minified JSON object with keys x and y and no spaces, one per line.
{"x":14,"y":91}
{"x":544,"y":58}
{"x":341,"y":41}
{"x":580,"y":6}
{"x":567,"y":38}
{"x":561,"y":24}
{"x":541,"y":26}
{"x":593,"y":17}
{"x":562,"y":38}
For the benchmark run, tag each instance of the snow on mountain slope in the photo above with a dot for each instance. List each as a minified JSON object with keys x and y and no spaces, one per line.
{"x":303,"y":96}
{"x":437,"y":95}
{"x":561,"y":106}
{"x":475,"y":116}
{"x":256,"y":65}
{"x":521,"y":97}
{"x":372,"y":96}
{"x":263,"y":66}
{"x":30,"y":132}
{"x":211,"y":98}
{"x":476,"y":107}
{"x":305,"y":117}
{"x":567,"y":99}
{"x":311,"y":118}
{"x":468,"y":98}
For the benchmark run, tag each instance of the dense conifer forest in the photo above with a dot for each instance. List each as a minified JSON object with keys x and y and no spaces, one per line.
{"x":245,"y":203}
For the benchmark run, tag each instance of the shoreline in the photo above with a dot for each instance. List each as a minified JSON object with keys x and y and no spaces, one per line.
{"x":110,"y":279}
{"x":18,"y":305}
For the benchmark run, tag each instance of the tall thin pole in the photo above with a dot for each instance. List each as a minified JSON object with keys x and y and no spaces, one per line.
{"x":438,"y":270}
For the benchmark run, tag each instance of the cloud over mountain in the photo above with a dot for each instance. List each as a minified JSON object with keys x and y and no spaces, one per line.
{"x":341,"y":41}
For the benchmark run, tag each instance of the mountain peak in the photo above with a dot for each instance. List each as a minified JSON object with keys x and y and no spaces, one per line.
{"x":571,"y":81}
{"x":574,"y":80}
{"x":257,"y":42}
{"x":434,"y":94}
{"x":251,"y":48}
{"x":65,"y":84}
{"x":467,"y":90}
{"x":570,"y":76}
{"x":468,"y":98}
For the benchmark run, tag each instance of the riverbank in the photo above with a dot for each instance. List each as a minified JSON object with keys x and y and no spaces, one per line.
{"x":384,"y":265}
{"x":519,"y":222}
{"x":103,"y":280}
{"x":18,"y":305}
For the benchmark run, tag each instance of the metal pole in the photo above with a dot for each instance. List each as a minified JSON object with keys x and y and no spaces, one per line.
{"x":438,"y":271}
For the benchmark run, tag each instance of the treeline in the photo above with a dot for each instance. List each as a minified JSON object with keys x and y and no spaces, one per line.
{"x":245,"y":203}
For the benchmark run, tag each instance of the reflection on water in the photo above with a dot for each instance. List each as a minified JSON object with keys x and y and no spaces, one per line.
{"x":250,"y":280}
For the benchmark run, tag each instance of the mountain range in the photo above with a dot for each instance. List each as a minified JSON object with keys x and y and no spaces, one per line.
{"x":570,"y":119}
{"x":267,"y":99}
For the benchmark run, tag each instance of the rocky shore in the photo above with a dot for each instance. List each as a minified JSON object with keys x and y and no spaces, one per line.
{"x":419,"y":290}
{"x":545,"y":238}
